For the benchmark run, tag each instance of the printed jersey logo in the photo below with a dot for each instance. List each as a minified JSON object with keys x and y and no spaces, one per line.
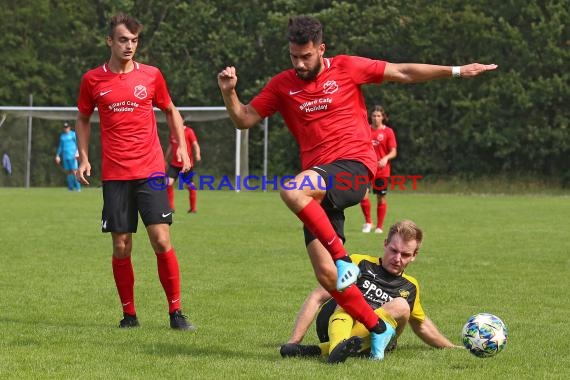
{"x":404,"y":293}
{"x":330,"y":87}
{"x":103,"y":93}
{"x":378,"y":139}
{"x":293,"y":92}
{"x":140,"y":91}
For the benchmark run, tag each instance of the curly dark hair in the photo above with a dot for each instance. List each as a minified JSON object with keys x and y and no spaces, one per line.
{"x":304,"y":29}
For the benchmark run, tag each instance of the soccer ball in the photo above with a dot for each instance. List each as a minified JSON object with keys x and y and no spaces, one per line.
{"x":484,"y":335}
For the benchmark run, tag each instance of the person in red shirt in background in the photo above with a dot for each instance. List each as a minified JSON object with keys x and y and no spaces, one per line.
{"x":384,"y":143}
{"x":124,"y":92}
{"x":322,"y":104}
{"x":175,"y":166}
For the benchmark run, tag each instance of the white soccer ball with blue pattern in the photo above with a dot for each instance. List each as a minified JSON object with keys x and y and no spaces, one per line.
{"x":484,"y":335}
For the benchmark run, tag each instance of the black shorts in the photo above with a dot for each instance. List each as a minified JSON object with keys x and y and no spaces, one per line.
{"x":124,"y":200}
{"x":346,"y":182}
{"x":176,"y":173}
{"x":380,"y":185}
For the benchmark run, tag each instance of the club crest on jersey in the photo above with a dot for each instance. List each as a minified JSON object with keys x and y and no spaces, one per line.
{"x":140,"y":91}
{"x":330,"y":87}
{"x":404,"y":293}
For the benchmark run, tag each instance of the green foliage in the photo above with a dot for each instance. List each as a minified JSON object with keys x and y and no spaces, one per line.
{"x":514,"y":120}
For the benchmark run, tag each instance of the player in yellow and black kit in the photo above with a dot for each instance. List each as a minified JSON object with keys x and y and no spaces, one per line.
{"x":393,"y":295}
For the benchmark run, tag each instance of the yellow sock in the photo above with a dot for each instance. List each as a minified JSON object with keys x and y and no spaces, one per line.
{"x":386,"y":317}
{"x":340,"y":326}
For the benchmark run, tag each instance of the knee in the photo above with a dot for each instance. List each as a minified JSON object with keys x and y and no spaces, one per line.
{"x":289,"y":196}
{"x":400,"y":308}
{"x":122,"y":248}
{"x":161,"y":243}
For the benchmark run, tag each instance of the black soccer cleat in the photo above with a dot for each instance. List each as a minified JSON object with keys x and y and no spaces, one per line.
{"x":291,"y":350}
{"x":128,"y":321}
{"x":346,"y":348}
{"x":179,"y":321}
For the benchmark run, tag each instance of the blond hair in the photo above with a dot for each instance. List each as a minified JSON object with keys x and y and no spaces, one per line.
{"x":408,"y":230}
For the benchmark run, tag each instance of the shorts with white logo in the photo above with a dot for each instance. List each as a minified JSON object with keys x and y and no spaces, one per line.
{"x":380,"y":185}
{"x":124,"y":200}
{"x":346,"y":183}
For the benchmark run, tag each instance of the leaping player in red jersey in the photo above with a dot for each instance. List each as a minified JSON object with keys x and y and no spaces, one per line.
{"x":124,"y":91}
{"x":321,"y":102}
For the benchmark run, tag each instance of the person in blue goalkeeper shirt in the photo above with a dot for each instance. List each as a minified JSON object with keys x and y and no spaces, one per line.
{"x":66,"y":155}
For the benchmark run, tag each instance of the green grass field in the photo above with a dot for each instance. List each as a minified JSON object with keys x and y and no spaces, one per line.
{"x":245,"y":273}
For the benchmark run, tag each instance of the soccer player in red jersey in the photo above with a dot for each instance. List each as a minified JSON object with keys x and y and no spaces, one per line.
{"x":321,"y":102}
{"x":124,"y":91}
{"x":175,"y":166}
{"x":385,"y":146}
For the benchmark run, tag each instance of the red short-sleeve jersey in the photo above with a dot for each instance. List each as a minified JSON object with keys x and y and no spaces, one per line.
{"x":327,"y":115}
{"x":129,"y":140}
{"x":190,"y":138}
{"x":383,"y":140}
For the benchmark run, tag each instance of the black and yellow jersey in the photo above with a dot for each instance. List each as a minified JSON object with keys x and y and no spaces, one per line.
{"x":378,"y":287}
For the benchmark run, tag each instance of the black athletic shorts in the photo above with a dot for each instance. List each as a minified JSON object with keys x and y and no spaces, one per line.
{"x":346,"y":182}
{"x":380,"y":185}
{"x":124,"y":200}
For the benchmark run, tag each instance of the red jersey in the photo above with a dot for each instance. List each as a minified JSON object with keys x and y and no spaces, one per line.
{"x":383,"y":140}
{"x":129,"y":139}
{"x":190,"y":138}
{"x":327,"y":115}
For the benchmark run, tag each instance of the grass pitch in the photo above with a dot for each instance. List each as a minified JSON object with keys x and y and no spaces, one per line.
{"x":245,"y":273}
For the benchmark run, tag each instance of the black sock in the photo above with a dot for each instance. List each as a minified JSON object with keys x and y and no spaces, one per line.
{"x":380,"y":327}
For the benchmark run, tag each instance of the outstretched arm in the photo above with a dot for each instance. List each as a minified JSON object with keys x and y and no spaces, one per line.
{"x":243,"y":116}
{"x":419,"y":72}
{"x":428,"y":332}
{"x":307,"y":313}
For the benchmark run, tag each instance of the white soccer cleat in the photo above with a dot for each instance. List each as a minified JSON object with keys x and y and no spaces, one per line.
{"x":367,"y":227}
{"x":378,"y":230}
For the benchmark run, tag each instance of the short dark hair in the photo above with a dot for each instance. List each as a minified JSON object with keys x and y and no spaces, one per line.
{"x":305,"y":29}
{"x":132,"y":24}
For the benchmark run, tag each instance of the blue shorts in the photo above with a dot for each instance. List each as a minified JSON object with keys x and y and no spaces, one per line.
{"x":69,"y":164}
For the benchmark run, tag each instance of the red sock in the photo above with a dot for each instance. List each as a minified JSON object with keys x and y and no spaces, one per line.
{"x":317,"y":221}
{"x":170,"y":192}
{"x":353,"y":302}
{"x":192,"y":199}
{"x":169,"y":276}
{"x":381,"y":212}
{"x":125,"y":281}
{"x":365,"y":206}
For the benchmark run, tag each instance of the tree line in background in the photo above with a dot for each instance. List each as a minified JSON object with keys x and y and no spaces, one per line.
{"x":512,"y":121}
